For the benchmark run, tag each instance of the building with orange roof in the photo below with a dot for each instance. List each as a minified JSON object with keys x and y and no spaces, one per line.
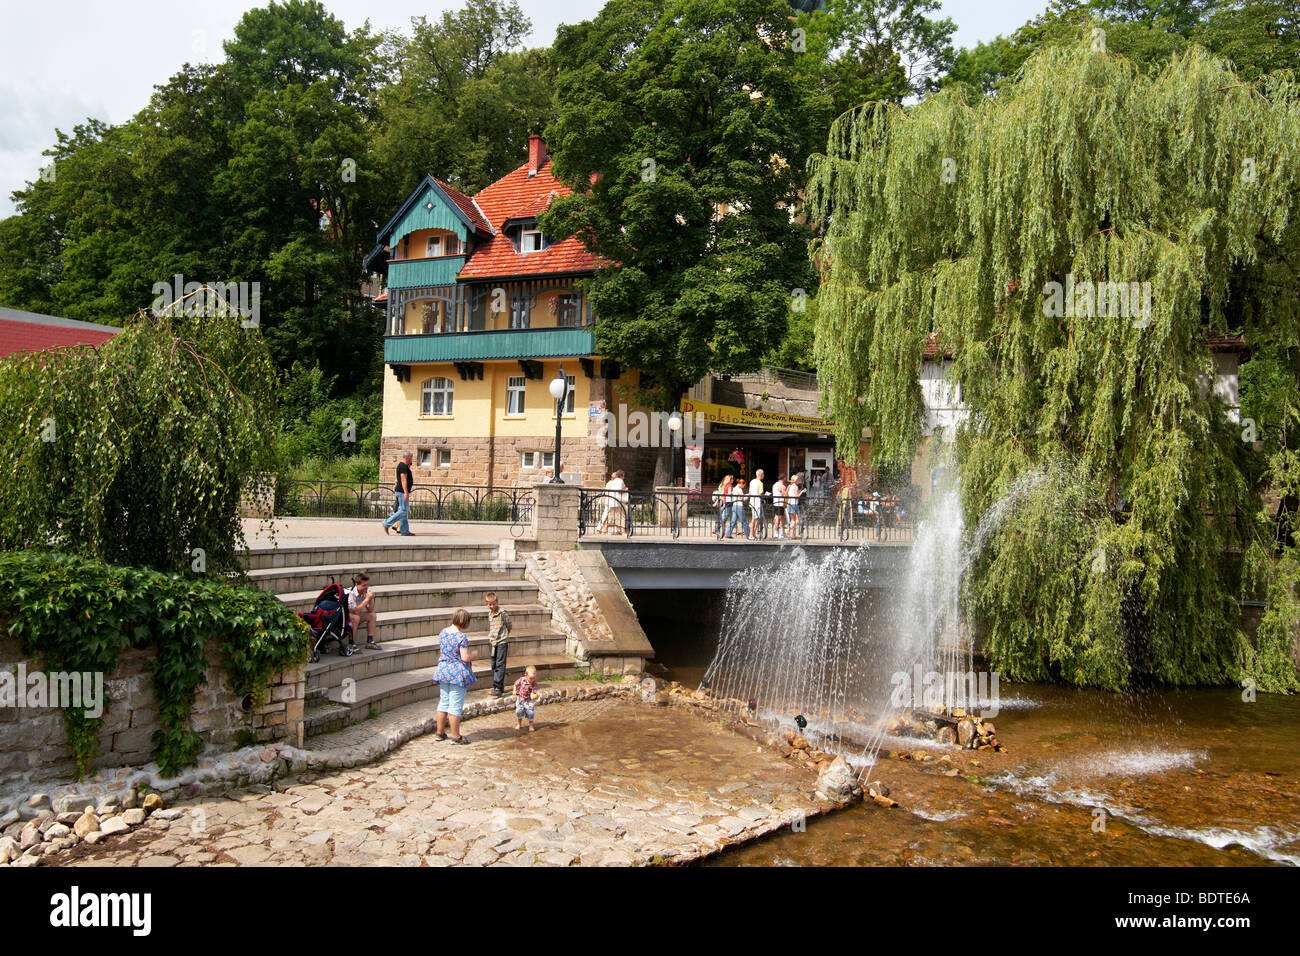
{"x":482,"y":309}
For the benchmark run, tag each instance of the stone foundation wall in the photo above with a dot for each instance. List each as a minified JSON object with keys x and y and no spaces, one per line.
{"x":494,"y":462}
{"x":34,"y":743}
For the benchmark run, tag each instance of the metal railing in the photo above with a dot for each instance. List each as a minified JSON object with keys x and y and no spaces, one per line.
{"x":695,"y":515}
{"x":789,"y":377}
{"x":340,"y":499}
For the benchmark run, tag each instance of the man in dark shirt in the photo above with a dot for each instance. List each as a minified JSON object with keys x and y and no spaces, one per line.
{"x":402,"y":489}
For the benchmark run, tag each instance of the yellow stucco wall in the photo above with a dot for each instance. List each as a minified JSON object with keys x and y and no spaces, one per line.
{"x":478,"y":406}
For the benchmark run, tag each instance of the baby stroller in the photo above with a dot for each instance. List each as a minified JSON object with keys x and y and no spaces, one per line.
{"x":328,"y":620}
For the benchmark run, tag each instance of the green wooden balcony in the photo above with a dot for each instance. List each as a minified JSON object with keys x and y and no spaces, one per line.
{"x":485,"y":346}
{"x":409,"y":273}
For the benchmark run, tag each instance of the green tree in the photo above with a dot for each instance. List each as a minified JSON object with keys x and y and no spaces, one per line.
{"x":463,"y":99}
{"x":682,"y":129}
{"x":137,"y":452}
{"x":1127,"y":491}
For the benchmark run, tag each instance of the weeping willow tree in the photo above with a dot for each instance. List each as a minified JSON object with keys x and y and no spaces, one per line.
{"x":1078,"y":244}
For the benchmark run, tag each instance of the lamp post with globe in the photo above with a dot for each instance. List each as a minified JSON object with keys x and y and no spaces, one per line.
{"x":559,"y":389}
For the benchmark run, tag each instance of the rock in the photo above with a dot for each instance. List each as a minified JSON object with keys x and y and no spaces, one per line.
{"x":86,"y":824}
{"x":965,"y":732}
{"x":175,"y":813}
{"x":130,"y":800}
{"x":133,"y":818}
{"x":95,"y":837}
{"x":32,"y":860}
{"x":113,"y":825}
{"x":69,"y":818}
{"x":799,"y":742}
{"x":152,"y":802}
{"x":58,"y":832}
{"x":837,"y":781}
{"x":878,"y":788}
{"x":30,"y":837}
{"x":883,"y":801}
{"x":9,"y":818}
{"x":9,"y":849}
{"x":38,"y":801}
{"x":72,"y":801}
{"x":946,"y":735}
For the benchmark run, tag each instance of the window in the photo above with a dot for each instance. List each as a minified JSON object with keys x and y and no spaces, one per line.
{"x":451,"y":246}
{"x":435,"y":397}
{"x":515,"y":394}
{"x":531,"y":240}
{"x":434,"y":246}
{"x":569,"y":395}
{"x":529,"y":459}
{"x":444,"y":458}
{"x":566,"y":307}
{"x":424,"y":457}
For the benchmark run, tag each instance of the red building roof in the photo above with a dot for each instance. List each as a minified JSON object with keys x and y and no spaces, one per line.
{"x":31,"y":332}
{"x":518,"y":195}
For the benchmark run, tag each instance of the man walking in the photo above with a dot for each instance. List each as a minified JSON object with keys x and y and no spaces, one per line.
{"x":498,"y":637}
{"x":402,"y":489}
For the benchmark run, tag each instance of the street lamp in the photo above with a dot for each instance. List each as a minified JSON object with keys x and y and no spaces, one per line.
{"x":674,"y":426}
{"x":559,"y":389}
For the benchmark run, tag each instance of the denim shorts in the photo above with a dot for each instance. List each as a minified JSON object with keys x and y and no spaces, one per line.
{"x":451,"y":699}
{"x":525,"y":709}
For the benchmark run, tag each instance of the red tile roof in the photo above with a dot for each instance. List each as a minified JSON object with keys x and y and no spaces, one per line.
{"x":467,"y":205}
{"x":31,"y":336}
{"x":520,"y":196}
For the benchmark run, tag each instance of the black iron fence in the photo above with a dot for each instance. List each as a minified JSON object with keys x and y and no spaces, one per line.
{"x":696,"y":515}
{"x":339,"y":499}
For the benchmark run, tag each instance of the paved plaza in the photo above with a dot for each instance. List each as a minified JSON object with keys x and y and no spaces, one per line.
{"x":601,"y":782}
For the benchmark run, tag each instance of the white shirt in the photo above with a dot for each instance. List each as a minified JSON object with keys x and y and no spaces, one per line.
{"x":778,"y":493}
{"x":355,"y":598}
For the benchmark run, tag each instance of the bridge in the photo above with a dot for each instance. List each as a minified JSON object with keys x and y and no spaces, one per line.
{"x":668,"y":538}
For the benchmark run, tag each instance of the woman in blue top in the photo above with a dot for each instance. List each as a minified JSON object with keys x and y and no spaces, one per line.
{"x":453,"y":675}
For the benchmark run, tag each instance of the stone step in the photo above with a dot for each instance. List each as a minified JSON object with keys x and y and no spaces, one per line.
{"x":361,"y":556}
{"x":400,"y":625}
{"x":449,"y":596}
{"x":376,"y":695}
{"x":288,"y":580}
{"x":413,"y":653}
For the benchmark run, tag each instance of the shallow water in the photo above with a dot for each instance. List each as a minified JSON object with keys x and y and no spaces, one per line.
{"x":1183,"y":777}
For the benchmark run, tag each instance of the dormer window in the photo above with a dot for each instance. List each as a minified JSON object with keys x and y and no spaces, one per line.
{"x":531,"y":240}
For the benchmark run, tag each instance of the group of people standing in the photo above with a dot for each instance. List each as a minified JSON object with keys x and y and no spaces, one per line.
{"x":733,"y":499}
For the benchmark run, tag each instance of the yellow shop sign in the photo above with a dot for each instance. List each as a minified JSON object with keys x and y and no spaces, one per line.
{"x":755,"y":418}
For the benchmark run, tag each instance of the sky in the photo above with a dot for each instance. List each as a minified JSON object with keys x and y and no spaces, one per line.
{"x":66,"y":60}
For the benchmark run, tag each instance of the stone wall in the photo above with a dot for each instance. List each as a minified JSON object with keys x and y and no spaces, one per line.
{"x":495,"y":461}
{"x":34,"y":743}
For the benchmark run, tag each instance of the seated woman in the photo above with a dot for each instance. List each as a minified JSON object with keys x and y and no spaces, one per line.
{"x":361,"y":609}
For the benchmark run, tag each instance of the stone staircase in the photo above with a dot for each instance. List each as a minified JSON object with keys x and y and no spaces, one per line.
{"x":417,"y":587}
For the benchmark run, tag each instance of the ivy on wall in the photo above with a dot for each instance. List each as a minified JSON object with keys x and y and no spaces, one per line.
{"x":79,"y":614}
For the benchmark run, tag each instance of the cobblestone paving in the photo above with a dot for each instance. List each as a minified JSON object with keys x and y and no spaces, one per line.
{"x":604,"y":782}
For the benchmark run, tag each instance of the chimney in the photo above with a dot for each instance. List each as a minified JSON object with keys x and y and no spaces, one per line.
{"x":536,"y":154}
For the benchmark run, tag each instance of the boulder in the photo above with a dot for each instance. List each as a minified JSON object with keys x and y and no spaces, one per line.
{"x":836,"y":782}
{"x":58,"y":832}
{"x":86,"y":824}
{"x":9,"y":850}
{"x":800,"y":743}
{"x":72,"y":801}
{"x":113,"y":825}
{"x":946,"y":735}
{"x":134,"y":817}
{"x":152,"y":802}
{"x":965,"y":731}
{"x":30,"y":837}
